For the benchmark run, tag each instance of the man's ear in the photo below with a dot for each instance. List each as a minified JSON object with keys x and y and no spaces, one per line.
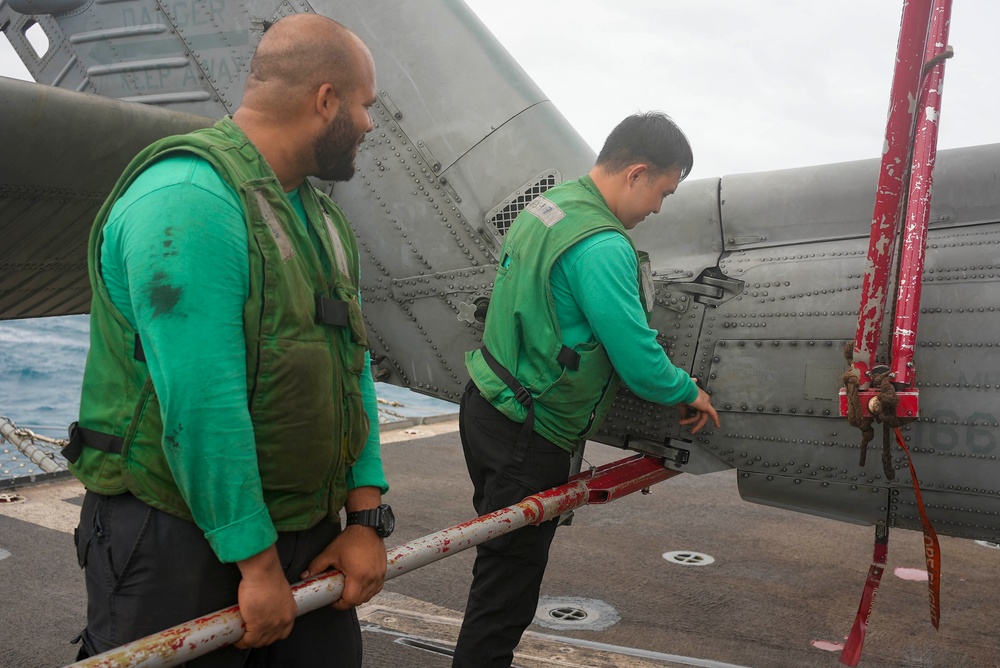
{"x":326,"y":102}
{"x":633,"y":173}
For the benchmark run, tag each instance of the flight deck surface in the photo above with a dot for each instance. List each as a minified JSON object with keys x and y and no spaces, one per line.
{"x":781,"y":589}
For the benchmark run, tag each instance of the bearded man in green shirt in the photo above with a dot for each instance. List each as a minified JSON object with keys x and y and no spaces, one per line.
{"x":567,"y":322}
{"x":228,"y":410}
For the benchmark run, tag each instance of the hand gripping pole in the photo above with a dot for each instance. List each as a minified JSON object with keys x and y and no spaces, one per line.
{"x":198,"y":637}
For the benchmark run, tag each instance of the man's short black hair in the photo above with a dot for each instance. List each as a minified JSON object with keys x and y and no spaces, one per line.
{"x":652,"y":138}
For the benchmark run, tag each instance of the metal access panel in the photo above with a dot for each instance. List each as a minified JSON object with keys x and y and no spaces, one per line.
{"x":846,"y":502}
{"x":966,"y":512}
{"x":778,"y":376}
{"x":770,"y":355}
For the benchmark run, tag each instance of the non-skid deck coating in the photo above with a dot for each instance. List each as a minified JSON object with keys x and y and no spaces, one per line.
{"x":781,"y":592}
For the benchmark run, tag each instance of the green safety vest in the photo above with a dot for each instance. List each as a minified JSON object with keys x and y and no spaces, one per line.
{"x":303,"y":374}
{"x":521,"y":328}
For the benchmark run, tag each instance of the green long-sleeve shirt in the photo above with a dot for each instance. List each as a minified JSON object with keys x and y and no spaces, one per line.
{"x":196,"y":351}
{"x":596,"y":297}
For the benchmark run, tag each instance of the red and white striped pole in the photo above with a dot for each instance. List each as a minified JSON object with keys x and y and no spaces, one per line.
{"x":198,"y":637}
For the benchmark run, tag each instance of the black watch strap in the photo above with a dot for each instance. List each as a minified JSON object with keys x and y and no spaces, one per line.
{"x":381,"y":519}
{"x":368,"y":518}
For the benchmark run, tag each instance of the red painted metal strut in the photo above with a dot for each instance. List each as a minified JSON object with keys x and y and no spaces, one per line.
{"x":200,"y":636}
{"x":907,"y":162}
{"x":887,"y":215}
{"x":918,"y":207}
{"x":915,"y":107}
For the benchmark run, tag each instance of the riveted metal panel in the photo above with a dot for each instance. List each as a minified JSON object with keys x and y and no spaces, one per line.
{"x":812,"y":447}
{"x":836,"y":201}
{"x":778,"y":376}
{"x":426,"y":253}
{"x":686,"y":236}
{"x":963,"y":512}
{"x":858,"y":504}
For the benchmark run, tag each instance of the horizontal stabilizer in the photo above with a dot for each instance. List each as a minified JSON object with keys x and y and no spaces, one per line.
{"x":62,"y":153}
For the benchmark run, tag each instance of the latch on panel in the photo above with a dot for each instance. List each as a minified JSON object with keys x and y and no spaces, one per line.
{"x":432,"y":162}
{"x":712,"y":287}
{"x":745,"y":239}
{"x":390,"y":106}
{"x":677,"y":457}
{"x":671,"y":274}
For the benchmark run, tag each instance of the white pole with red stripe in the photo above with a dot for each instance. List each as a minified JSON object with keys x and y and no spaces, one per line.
{"x":198,"y":637}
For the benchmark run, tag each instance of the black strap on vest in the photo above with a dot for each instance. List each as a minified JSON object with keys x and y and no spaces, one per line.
{"x":331,"y":311}
{"x":81,"y":436}
{"x":569,"y":358}
{"x":523,"y":397}
{"x":137,"y":353}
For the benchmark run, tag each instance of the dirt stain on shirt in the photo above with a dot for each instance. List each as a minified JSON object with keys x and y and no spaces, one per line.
{"x":171,"y":439}
{"x":163,"y":296}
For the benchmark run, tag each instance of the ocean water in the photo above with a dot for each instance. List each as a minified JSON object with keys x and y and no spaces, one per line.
{"x":41,"y":373}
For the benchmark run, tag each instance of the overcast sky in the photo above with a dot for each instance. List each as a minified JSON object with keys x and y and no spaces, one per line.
{"x":755,"y":85}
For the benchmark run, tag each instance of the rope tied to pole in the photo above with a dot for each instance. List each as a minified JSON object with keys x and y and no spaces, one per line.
{"x":887,"y":402}
{"x":855,"y":416}
{"x":33,"y":446}
{"x":882,"y":409}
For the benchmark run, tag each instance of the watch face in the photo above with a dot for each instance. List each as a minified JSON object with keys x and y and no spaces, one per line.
{"x":387,"y":523}
{"x":381,"y":519}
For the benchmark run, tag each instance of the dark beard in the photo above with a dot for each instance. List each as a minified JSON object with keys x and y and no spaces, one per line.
{"x":335,"y":149}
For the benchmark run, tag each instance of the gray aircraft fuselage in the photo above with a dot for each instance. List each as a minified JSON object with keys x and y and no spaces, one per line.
{"x":757,"y":280}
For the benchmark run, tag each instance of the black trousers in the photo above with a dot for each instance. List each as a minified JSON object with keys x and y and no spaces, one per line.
{"x":147,"y":571}
{"x":507,"y":575}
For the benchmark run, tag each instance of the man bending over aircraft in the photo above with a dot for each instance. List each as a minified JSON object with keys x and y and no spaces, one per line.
{"x":568,"y":321}
{"x":228,"y":411}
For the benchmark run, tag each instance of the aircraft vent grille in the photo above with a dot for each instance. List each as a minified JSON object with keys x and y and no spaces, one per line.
{"x":504,"y":213}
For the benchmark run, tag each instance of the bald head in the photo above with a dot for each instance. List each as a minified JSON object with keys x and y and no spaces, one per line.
{"x":296,"y":56}
{"x":307,"y":99}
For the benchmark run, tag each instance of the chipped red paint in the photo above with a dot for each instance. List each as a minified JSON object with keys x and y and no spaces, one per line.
{"x":175,"y":645}
{"x":624,"y":477}
{"x":886,"y":218}
{"x":918,"y":210}
{"x":908,"y":406}
{"x":922,"y":50}
{"x":201,"y":636}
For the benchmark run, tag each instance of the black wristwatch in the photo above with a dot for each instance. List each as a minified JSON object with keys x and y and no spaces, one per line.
{"x":381,"y":519}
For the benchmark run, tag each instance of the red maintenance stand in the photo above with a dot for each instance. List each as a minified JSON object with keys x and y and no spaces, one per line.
{"x":902,"y":207}
{"x":887,"y":392}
